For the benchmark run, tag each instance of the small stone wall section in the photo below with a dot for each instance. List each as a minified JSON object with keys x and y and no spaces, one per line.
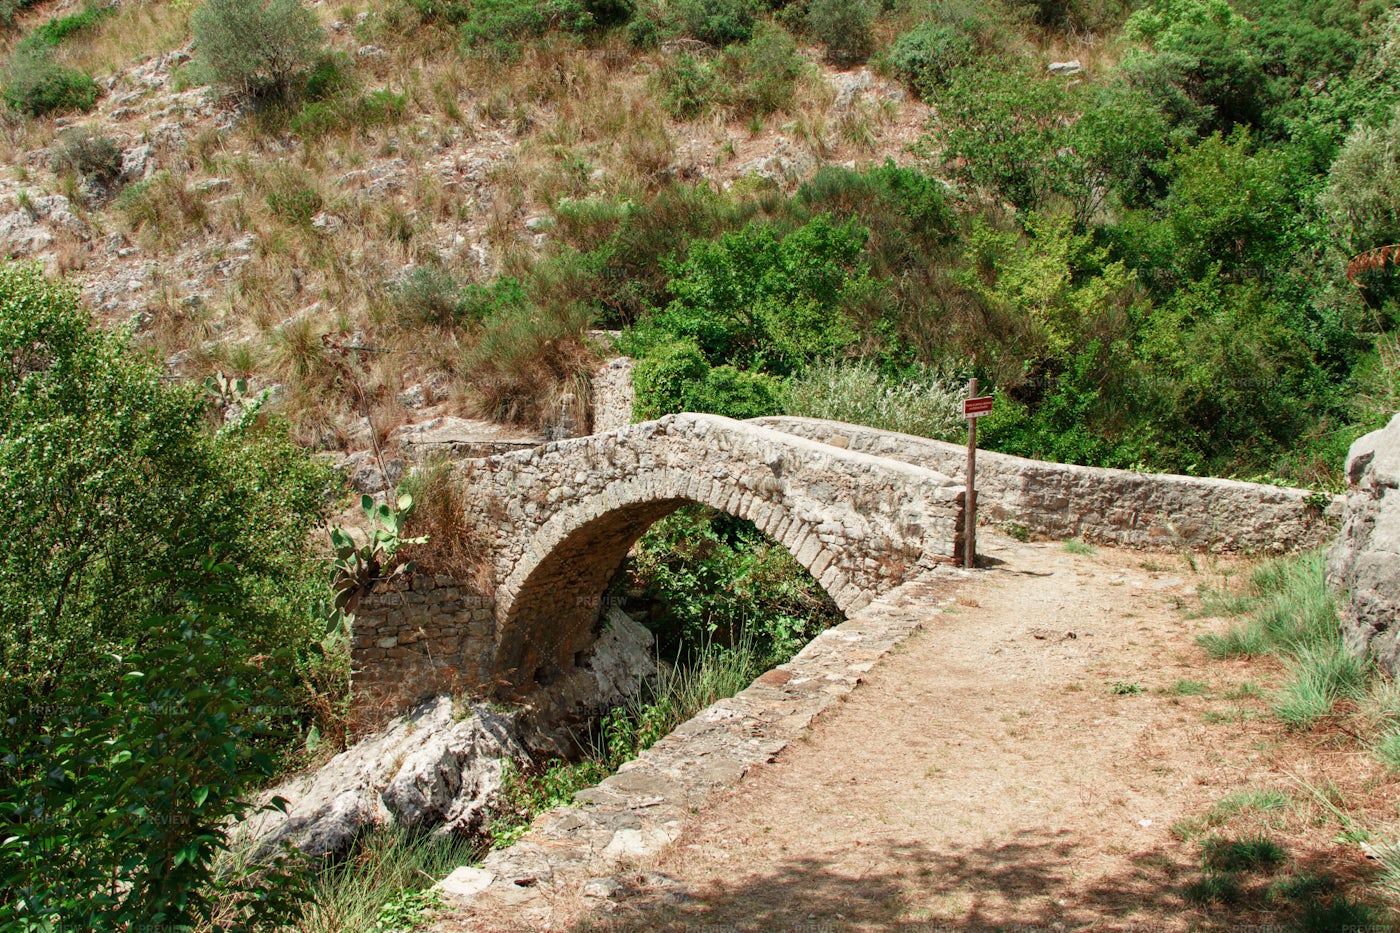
{"x":566,"y":514}
{"x":613,"y":395}
{"x":1111,"y":507}
{"x":426,"y":635}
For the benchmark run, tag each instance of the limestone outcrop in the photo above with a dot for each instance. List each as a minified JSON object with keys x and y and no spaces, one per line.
{"x":438,"y":766}
{"x":1365,"y":562}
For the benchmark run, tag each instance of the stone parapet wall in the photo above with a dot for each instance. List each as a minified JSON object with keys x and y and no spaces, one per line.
{"x":1112,"y":507}
{"x":426,"y":635}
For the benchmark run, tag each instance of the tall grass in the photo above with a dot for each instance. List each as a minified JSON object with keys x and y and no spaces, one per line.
{"x":928,"y":404}
{"x":1294,"y":617}
{"x":387,"y":868}
{"x":1289,"y":609}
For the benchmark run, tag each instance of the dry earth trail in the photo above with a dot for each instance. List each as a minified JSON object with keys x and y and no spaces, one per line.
{"x":998,"y":771}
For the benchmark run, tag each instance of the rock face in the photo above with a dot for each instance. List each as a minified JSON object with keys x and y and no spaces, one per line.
{"x":1365,"y":562}
{"x":437,"y":767}
{"x":426,"y":770}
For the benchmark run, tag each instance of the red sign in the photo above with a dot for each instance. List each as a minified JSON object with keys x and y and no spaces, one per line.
{"x":977,"y":407}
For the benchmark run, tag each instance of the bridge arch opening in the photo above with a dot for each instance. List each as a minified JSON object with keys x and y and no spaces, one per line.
{"x":558,"y":607}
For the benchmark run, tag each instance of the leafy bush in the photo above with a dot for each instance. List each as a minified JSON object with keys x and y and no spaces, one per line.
{"x":117,"y":792}
{"x":37,"y":85}
{"x":926,"y":57}
{"x":844,"y":27}
{"x":761,"y":73}
{"x":1003,"y":131}
{"x":759,"y":300}
{"x":676,"y":377}
{"x":718,"y":22}
{"x":429,"y":295}
{"x":924,"y":403}
{"x":259,"y":49}
{"x":59,"y":29}
{"x":749,"y":79}
{"x":158,"y":562}
{"x":331,"y":76}
{"x":716,"y":580}
{"x":502,"y":24}
{"x":87,"y":155}
{"x":1362,"y":200}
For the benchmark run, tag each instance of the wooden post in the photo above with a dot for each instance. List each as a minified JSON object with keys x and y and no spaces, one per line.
{"x":970,"y":497}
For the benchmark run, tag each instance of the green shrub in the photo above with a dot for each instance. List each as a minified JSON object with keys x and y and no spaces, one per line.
{"x":37,"y":85}
{"x":922,"y":402}
{"x":844,"y":27}
{"x":259,"y":49}
{"x":714,"y":580}
{"x":154,"y":548}
{"x":718,"y":22}
{"x":296,"y":206}
{"x":87,"y":155}
{"x":764,"y":301}
{"x":761,"y":74}
{"x":676,"y":377}
{"x":1004,"y":131}
{"x":428,"y":296}
{"x":688,"y":86}
{"x":331,"y":76}
{"x":503,"y":24}
{"x":926,"y":57}
{"x":61,"y":28}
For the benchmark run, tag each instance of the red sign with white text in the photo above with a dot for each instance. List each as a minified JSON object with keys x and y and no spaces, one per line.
{"x":977,"y":407}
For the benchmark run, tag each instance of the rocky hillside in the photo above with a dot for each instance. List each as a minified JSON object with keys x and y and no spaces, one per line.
{"x":234,"y":238}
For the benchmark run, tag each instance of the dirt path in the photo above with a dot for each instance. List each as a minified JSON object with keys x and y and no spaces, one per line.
{"x":1020,"y":766}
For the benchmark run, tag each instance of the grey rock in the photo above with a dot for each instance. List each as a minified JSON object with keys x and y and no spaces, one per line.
{"x":415,"y":396}
{"x":426,"y":769}
{"x":136,"y":163}
{"x":1065,"y":69}
{"x":1365,"y":561}
{"x":326,"y":223}
{"x":849,"y":86}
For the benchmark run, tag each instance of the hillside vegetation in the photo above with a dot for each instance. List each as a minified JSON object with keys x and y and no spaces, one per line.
{"x":1146,"y":256}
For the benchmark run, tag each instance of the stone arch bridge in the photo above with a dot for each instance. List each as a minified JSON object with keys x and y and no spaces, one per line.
{"x":863,"y":510}
{"x":562,"y":517}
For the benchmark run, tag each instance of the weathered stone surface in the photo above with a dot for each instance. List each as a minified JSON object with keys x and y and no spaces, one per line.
{"x":1114,"y":507}
{"x":1365,"y":561}
{"x":566,"y":514}
{"x":426,"y":770}
{"x":613,"y":395}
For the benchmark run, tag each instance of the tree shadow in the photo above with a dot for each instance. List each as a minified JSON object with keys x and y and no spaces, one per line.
{"x":1027,"y":883}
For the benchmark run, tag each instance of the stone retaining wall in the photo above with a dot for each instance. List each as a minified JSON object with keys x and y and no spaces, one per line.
{"x":424,"y":636}
{"x":1112,"y":507}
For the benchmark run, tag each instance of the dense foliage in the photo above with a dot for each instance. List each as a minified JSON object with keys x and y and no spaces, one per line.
{"x":1148,"y":263}
{"x":158,"y":603}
